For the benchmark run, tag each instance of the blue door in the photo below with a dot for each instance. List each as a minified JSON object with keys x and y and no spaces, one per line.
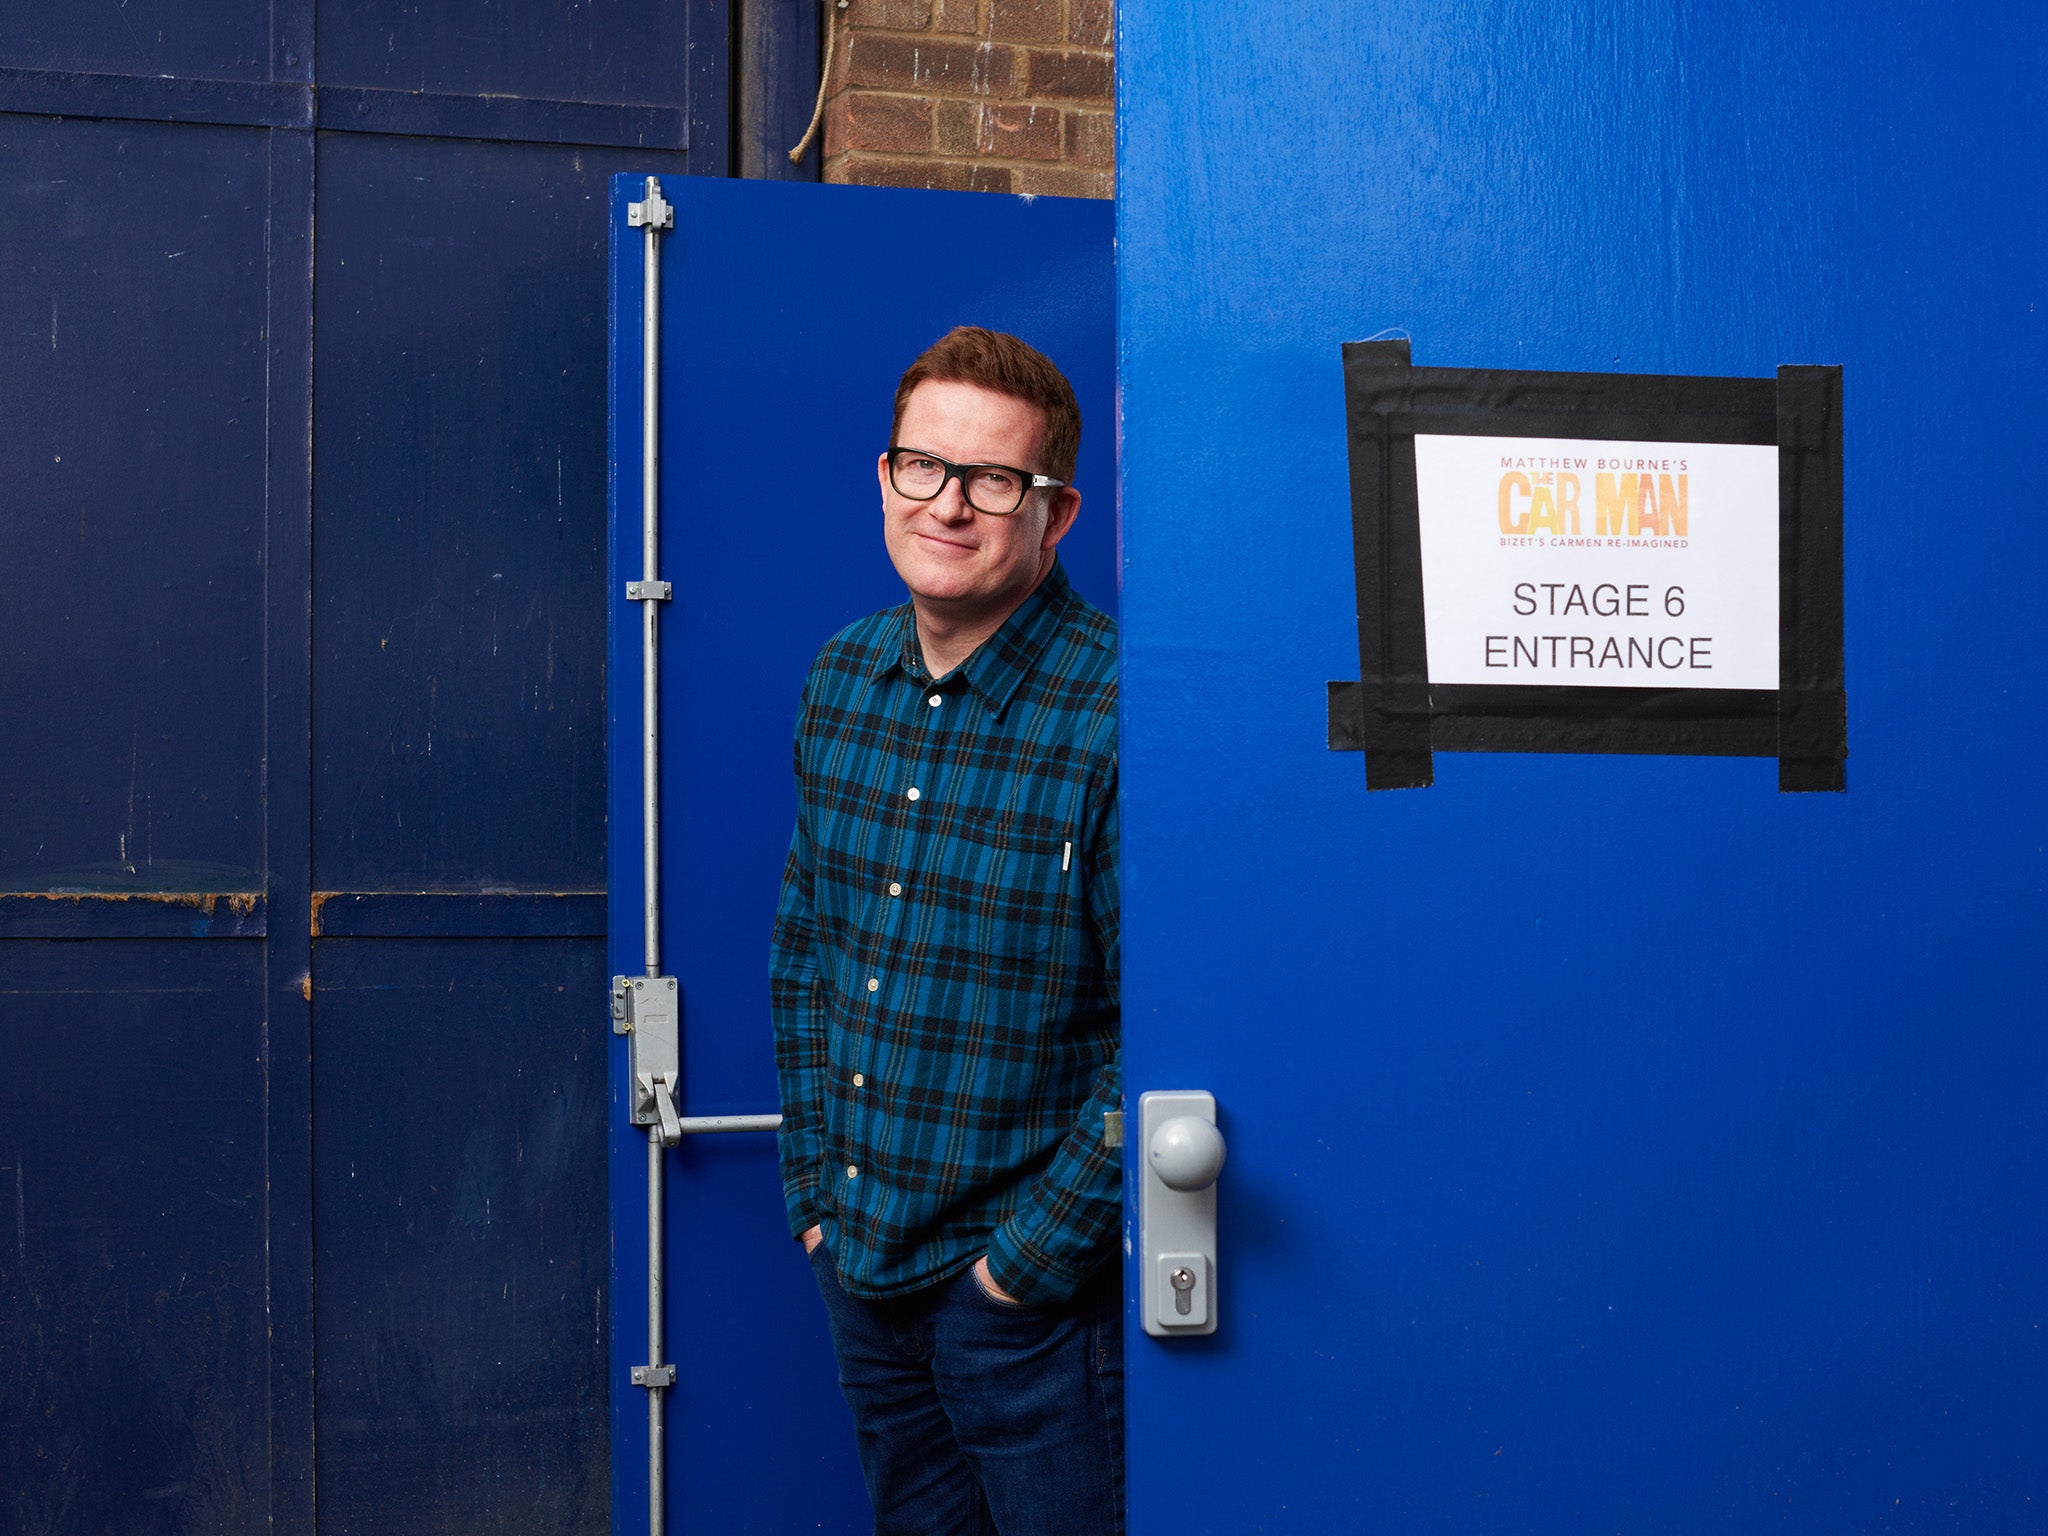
{"x":787,"y":314}
{"x":1616,"y":1144}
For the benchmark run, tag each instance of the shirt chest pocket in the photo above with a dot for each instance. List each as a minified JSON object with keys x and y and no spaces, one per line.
{"x":1005,"y":891}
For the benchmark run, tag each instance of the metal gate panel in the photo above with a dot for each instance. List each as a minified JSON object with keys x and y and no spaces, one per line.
{"x":461,"y":1300}
{"x":221,"y":40}
{"x":536,"y":50}
{"x":132,"y":378}
{"x":461,"y":493}
{"x":133,"y":1274}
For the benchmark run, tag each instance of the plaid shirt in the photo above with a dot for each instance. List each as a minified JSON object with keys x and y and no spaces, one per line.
{"x":945,"y":967}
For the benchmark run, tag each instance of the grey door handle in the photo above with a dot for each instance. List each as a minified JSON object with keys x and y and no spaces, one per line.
{"x":1186,"y":1152}
{"x":1183,"y":1154}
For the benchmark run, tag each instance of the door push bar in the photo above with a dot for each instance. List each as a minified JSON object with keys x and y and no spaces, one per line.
{"x":644,"y":1010}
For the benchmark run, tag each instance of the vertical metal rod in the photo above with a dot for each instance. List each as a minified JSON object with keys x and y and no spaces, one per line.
{"x":654,"y":215}
{"x":650,"y":442}
{"x":656,"y":1471}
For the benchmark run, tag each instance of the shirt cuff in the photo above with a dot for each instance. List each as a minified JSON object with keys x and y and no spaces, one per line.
{"x":1029,"y":1275}
{"x":801,"y":1203}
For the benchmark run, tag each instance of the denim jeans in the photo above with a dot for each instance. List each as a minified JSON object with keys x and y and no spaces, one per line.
{"x":977,"y":1416}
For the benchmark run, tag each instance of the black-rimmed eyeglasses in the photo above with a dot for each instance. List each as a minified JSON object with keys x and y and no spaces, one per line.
{"x":996,"y":489}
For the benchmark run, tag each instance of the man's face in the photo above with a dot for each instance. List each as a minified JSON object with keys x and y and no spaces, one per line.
{"x":954,"y":559}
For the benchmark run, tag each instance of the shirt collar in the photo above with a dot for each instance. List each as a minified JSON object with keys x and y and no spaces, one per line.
{"x":1000,"y":662}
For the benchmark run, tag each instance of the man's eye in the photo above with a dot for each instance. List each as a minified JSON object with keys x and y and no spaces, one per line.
{"x":998,"y":480}
{"x":924,"y":466}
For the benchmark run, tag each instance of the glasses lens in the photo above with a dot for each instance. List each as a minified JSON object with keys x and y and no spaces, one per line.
{"x":991,"y":488}
{"x":916,"y":475}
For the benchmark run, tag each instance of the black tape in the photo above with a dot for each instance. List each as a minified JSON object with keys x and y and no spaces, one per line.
{"x":1399,"y":721}
{"x":1813,"y":706}
{"x":1391,"y":708}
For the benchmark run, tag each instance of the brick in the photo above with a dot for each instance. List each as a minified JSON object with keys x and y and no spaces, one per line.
{"x":1091,"y":139}
{"x":860,"y":171}
{"x":896,"y":125}
{"x":956,"y":128}
{"x":1091,"y":23}
{"x":1072,"y":76}
{"x":1064,"y":181}
{"x":1020,"y":133}
{"x":946,"y":175}
{"x":960,"y":16}
{"x":1026,"y":21}
{"x":927,"y":64}
{"x":901,"y":15}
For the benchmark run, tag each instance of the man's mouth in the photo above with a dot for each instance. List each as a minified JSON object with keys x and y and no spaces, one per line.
{"x":933,"y":538}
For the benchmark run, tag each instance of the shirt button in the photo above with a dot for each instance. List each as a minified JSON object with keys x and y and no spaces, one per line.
{"x":852,"y":1172}
{"x":874,"y":983}
{"x":913,"y":792}
{"x":895,"y":888}
{"x":860,"y":1080}
{"x":933,"y":701}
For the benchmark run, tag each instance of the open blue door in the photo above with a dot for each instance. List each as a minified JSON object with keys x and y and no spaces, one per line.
{"x":1616,"y":1144}
{"x":787,"y":314}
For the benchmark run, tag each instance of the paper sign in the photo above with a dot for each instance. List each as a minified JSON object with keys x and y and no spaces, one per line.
{"x":1585,"y":563}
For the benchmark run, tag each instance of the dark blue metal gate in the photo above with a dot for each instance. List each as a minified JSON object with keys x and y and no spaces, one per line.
{"x":302,"y":831}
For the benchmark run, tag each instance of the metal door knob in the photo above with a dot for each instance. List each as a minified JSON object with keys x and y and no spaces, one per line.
{"x":1186,"y":1152}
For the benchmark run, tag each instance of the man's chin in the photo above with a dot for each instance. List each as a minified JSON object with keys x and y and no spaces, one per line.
{"x":948,"y":597}
{"x":936,"y":582}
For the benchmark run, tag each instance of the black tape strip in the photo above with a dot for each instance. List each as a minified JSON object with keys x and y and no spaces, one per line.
{"x":1813,"y":709}
{"x":1705,"y":722}
{"x":1347,"y":717}
{"x":1388,"y":712}
{"x":1628,"y":407}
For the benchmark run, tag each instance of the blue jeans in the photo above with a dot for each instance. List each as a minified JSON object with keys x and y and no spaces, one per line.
{"x":976,"y":1416}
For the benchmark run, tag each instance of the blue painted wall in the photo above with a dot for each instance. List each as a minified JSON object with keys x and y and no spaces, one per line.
{"x":1616,"y":1143}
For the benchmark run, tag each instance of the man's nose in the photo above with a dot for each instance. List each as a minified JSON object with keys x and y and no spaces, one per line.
{"x":950,"y":505}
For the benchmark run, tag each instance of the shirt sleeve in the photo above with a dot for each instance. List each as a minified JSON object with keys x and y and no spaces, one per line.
{"x":796,"y":1001}
{"x":1067,"y":1224}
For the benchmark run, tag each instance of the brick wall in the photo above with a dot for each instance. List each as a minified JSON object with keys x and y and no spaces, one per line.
{"x":981,"y":95}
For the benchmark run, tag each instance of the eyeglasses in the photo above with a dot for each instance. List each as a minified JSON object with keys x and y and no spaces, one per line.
{"x":996,"y":489}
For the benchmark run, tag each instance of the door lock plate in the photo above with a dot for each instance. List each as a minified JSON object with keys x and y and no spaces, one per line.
{"x":647,"y":1011}
{"x":1176,"y":1223}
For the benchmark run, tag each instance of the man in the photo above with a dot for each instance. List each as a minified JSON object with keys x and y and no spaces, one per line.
{"x":945,"y":976}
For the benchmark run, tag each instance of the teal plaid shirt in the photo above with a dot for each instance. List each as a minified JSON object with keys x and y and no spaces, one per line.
{"x":945,"y":968}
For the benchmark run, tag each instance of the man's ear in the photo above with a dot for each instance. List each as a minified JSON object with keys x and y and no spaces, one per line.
{"x":1062,"y":507}
{"x":882,"y":475}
